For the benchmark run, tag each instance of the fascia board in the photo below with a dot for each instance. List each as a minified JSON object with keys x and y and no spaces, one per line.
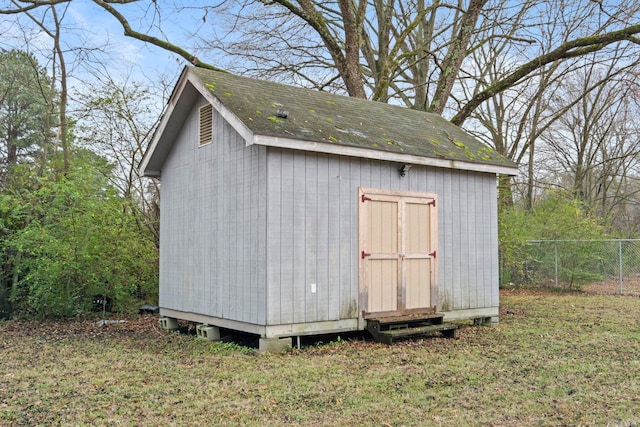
{"x":341,"y":150}
{"x":166,"y":117}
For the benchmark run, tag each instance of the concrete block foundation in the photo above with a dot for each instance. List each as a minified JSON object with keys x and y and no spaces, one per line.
{"x":274,"y":345}
{"x":486,"y":321}
{"x":207,"y":332}
{"x":169,"y":323}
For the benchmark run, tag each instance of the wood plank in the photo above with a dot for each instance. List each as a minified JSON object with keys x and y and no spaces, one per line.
{"x":409,"y":318}
{"x":337,"y":308}
{"x":322,"y":242}
{"x":459,"y":230}
{"x":349,"y":179}
{"x":474,"y":217}
{"x":493,"y":258}
{"x":298,"y":285}
{"x":419,"y":330}
{"x":481,"y":235}
{"x":309,"y":284}
{"x":389,"y":336}
{"x":286,"y":239}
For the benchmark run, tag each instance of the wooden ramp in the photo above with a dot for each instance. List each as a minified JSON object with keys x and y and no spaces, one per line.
{"x":386,"y":329}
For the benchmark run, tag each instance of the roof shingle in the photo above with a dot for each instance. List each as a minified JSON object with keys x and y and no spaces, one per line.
{"x":277,"y":110}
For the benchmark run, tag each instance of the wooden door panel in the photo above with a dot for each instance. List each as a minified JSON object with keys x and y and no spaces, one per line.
{"x":383,"y":227}
{"x":382,"y":255}
{"x":383,"y":285}
{"x":417,"y":229}
{"x":397,"y":252}
{"x":417,"y":283}
{"x":417,"y":242}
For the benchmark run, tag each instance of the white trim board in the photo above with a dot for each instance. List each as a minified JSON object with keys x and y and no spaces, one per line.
{"x":367,"y":153}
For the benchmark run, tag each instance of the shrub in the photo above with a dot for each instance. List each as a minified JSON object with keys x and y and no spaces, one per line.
{"x":78,"y":239}
{"x":553,"y":218}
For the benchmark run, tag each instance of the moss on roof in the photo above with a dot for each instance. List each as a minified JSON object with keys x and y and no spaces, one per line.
{"x":273,"y":109}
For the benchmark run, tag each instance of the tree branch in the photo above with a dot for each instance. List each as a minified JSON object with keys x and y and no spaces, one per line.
{"x":455,"y":56}
{"x":309,"y":14}
{"x":570,"y":49}
{"x":129,"y":32}
{"x":33,"y":5}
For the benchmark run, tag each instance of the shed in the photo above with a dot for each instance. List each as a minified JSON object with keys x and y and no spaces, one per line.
{"x":288,"y":212}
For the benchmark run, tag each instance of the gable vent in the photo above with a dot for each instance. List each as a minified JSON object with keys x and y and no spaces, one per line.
{"x":206,"y":124}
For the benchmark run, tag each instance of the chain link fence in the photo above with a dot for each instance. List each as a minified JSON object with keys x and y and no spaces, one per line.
{"x":598,"y":266}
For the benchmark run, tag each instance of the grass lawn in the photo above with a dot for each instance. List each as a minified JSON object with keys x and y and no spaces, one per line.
{"x":554,"y":359}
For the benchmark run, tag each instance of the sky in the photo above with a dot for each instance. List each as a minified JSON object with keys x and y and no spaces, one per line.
{"x":92,"y":38}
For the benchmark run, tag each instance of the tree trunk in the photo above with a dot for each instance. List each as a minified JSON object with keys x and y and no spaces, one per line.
{"x":350,"y":69}
{"x":457,"y":53}
{"x":64,"y":143}
{"x":12,"y":153}
{"x":505,"y":192}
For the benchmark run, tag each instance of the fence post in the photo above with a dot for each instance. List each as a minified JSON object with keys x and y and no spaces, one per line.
{"x":620,"y":260}
{"x":555,"y":250}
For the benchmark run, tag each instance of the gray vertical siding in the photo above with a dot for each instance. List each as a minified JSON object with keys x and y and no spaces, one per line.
{"x":312,"y":233}
{"x":247,"y":231}
{"x":213,"y":225}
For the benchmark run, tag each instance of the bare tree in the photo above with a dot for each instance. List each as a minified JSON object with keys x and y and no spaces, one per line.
{"x":59,"y":62}
{"x":595,"y":144}
{"x":49,"y":21}
{"x":116,"y":119}
{"x":410,"y":49}
{"x":513,"y":120}
{"x":502,"y":65}
{"x":370,"y":44}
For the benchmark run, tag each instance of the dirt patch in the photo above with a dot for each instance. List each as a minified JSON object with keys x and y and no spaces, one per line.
{"x":147,"y":325}
{"x":630,"y":287}
{"x":114,"y":326}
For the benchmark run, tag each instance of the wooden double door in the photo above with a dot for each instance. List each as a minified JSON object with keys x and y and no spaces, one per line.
{"x":398,"y":250}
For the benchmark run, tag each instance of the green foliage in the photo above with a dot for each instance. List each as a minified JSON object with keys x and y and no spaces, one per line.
{"x":69,"y":233}
{"x":554,"y":218}
{"x":25,"y":105}
{"x":72,"y":238}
